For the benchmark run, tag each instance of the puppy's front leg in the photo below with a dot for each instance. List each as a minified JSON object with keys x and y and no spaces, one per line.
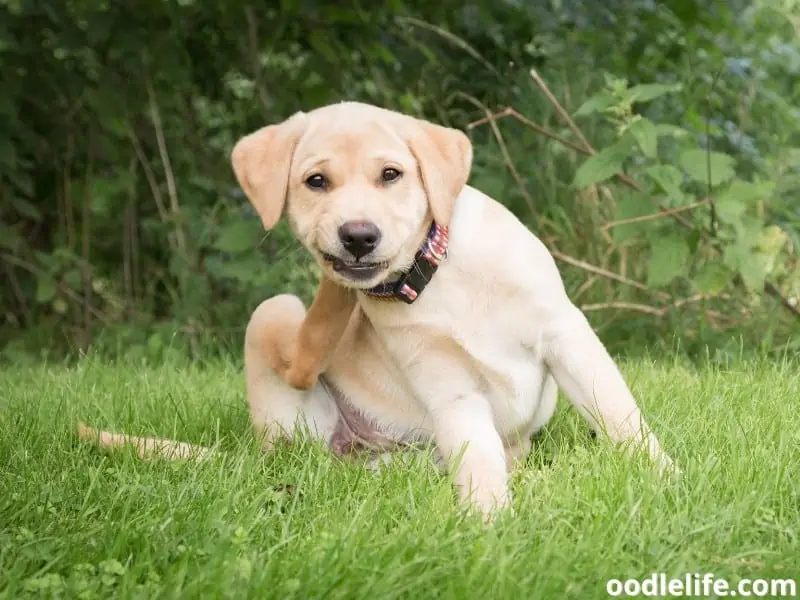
{"x":467,"y":439}
{"x":591,"y":380}
{"x":464,"y":432}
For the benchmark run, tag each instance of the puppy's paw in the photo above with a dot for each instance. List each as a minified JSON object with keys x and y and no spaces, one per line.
{"x":668,"y":469}
{"x":490,"y":506}
{"x":300,"y":377}
{"x":496,"y":510}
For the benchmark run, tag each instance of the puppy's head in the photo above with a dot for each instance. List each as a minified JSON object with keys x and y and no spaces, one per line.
{"x":359,"y":184}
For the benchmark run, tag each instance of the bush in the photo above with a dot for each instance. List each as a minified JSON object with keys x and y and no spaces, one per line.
{"x":122,"y":229}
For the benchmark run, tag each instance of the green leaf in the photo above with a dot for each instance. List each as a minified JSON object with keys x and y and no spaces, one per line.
{"x":730,"y":210}
{"x":669,"y":257}
{"x":745,"y":192}
{"x":73,"y":278}
{"x":631,"y":205}
{"x":239,"y":236}
{"x":712,"y":278}
{"x":46,"y":288}
{"x":669,"y":179}
{"x":664,"y":129}
{"x":750,"y":264}
{"x":644,"y":132}
{"x":603,"y":165}
{"x":696,"y":163}
{"x":650,"y":91}
{"x":749,"y":232}
{"x":754,"y":271}
{"x":243,"y":269}
{"x":597,"y":103}
{"x":734,"y":255}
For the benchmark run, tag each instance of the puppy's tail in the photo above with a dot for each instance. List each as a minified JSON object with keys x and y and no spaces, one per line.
{"x":145,"y":447}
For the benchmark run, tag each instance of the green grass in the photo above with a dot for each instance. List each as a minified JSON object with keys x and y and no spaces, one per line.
{"x":75,"y":522}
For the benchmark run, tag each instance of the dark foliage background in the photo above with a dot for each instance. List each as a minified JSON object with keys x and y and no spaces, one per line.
{"x":122,"y":228}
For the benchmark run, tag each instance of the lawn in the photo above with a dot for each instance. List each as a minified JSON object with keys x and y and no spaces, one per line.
{"x":76,"y":522}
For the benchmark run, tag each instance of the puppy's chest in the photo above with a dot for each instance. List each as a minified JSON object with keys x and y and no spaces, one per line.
{"x":484,"y":336}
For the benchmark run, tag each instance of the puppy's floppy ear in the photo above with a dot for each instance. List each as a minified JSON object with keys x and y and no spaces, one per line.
{"x":444,"y":156}
{"x":261,"y":162}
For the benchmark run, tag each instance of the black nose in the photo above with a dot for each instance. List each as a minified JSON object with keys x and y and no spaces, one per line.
{"x":359,"y":238}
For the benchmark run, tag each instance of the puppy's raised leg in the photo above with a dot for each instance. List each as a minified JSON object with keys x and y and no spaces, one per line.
{"x":591,"y":380}
{"x":276,"y":409}
{"x":322,"y":328}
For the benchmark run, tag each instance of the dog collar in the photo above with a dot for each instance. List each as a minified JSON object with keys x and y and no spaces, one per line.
{"x":426,"y":261}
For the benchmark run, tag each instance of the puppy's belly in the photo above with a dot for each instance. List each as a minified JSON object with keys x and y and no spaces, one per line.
{"x":358,"y":430}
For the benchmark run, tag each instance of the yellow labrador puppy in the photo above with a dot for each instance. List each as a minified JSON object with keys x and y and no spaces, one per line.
{"x":452,"y":325}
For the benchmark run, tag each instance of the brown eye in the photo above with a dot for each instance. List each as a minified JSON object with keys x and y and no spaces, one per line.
{"x":388,"y":175}
{"x":317,"y":182}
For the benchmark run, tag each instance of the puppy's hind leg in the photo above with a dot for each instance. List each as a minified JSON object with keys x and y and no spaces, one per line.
{"x":277,"y":409}
{"x":318,"y":336}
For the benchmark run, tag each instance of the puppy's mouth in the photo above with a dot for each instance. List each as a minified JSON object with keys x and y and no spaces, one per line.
{"x":357,"y":270}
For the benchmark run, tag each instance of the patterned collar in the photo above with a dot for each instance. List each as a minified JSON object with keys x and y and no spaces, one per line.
{"x":411,"y":283}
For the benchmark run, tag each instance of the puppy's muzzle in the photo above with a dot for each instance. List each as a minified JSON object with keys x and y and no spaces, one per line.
{"x":359,"y":238}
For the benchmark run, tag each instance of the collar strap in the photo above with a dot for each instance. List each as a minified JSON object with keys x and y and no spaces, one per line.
{"x":426,"y":262}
